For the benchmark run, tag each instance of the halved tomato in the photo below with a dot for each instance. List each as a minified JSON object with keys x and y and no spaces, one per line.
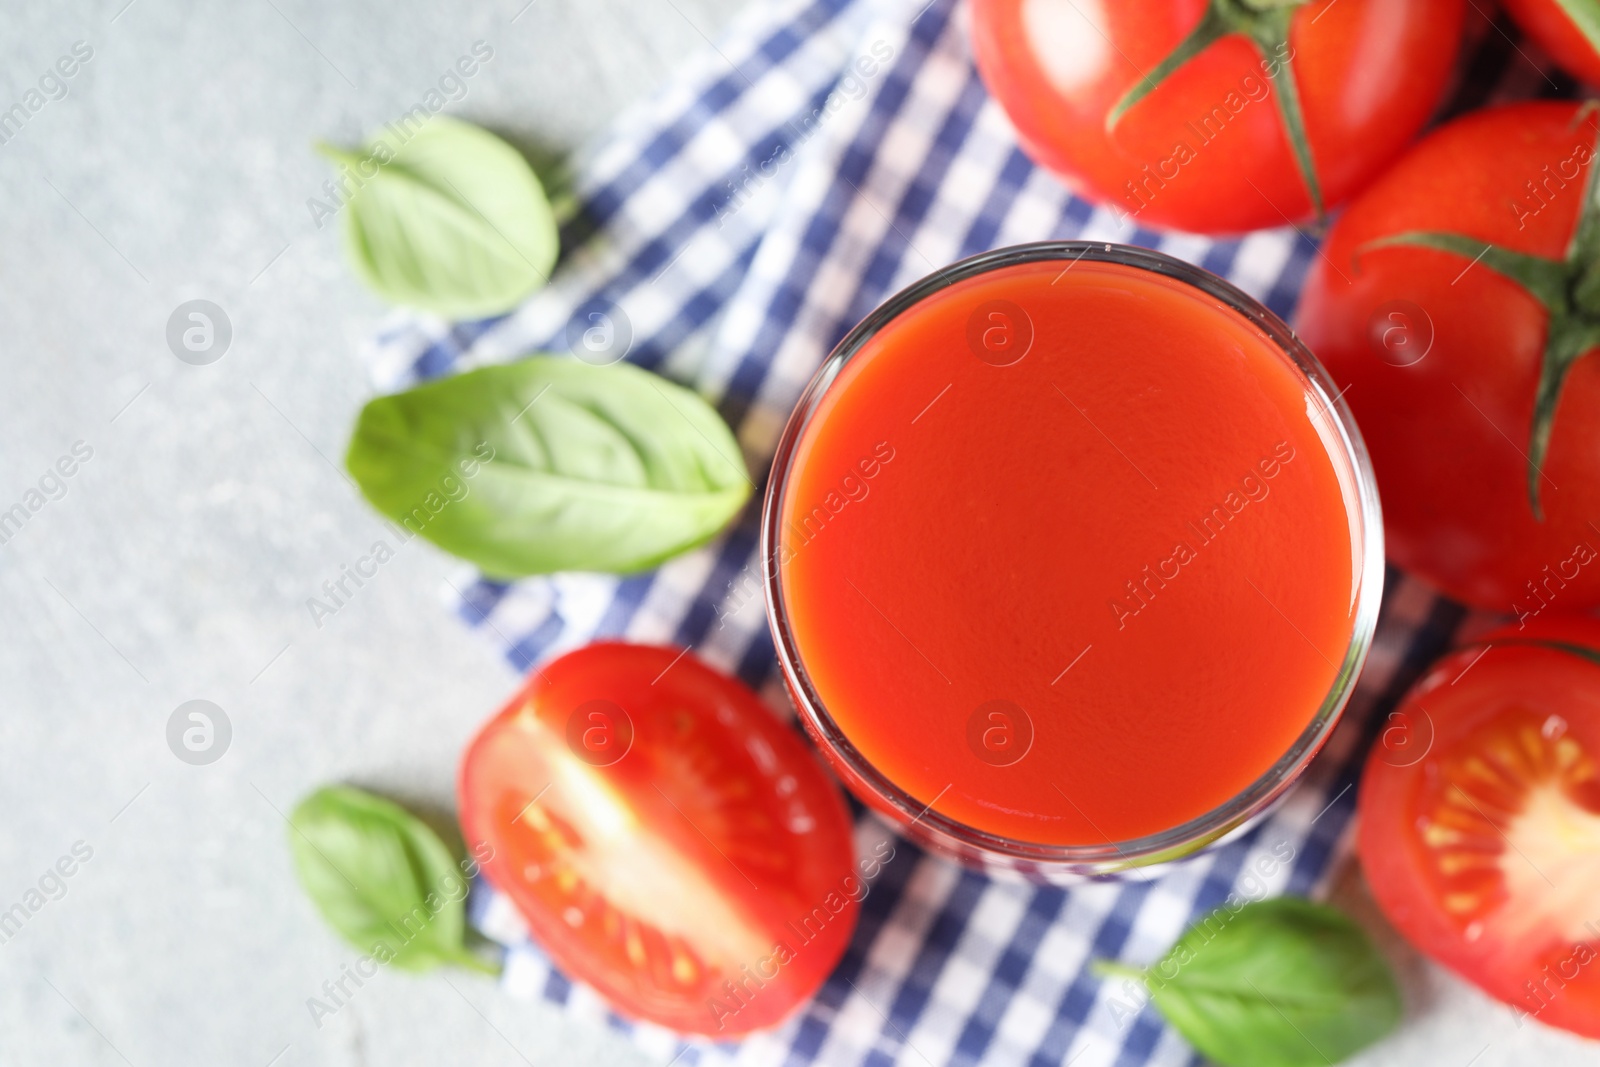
{"x":668,"y":840}
{"x":1484,"y":848}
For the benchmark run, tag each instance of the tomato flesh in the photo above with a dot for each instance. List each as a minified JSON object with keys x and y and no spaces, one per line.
{"x":1484,"y":848}
{"x":666,"y":837}
{"x":1206,"y":151}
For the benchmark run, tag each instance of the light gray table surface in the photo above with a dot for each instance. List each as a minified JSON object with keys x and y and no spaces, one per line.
{"x":175,"y":563}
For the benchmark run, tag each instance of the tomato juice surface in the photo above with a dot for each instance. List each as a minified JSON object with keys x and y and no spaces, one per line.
{"x":1070,"y":551}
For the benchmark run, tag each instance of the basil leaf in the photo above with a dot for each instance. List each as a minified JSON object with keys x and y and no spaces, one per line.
{"x":551,"y":464}
{"x":451,"y":220}
{"x":1279,"y":983}
{"x":382,"y":879}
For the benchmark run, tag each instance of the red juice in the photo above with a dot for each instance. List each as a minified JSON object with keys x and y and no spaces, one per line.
{"x":1071,"y":552}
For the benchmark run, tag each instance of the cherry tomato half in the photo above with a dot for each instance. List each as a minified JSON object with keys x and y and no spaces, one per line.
{"x":1209,"y":149}
{"x":1554,"y":25}
{"x":1444,"y":358}
{"x":1480,"y":818}
{"x":668,"y":840}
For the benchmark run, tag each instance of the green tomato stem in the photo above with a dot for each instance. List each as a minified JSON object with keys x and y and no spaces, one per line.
{"x":1271,"y":37}
{"x":1266,"y":24}
{"x":1213,"y":26}
{"x":1564,"y":287}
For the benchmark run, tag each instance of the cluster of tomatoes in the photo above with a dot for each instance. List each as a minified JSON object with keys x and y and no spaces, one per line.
{"x":1455,"y":300}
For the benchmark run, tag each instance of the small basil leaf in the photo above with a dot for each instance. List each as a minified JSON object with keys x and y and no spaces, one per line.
{"x":451,"y":220}
{"x":551,"y":464}
{"x":1279,"y":983}
{"x":381,"y":878}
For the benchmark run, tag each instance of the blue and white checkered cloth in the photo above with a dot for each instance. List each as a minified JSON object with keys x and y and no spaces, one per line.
{"x":822,"y":155}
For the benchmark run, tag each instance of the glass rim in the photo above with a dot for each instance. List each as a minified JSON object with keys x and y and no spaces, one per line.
{"x":1266,"y":789}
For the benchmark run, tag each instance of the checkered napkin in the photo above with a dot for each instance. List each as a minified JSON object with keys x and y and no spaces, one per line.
{"x":822,"y":155}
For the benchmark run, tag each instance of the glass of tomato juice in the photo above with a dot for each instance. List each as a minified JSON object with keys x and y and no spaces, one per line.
{"x":1072,"y":557}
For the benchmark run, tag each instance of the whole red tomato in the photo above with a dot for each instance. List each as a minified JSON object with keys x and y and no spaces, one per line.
{"x":1216,"y":116}
{"x":666,"y":837}
{"x":1461,"y":347}
{"x":1480,"y":818}
{"x":1568,"y":29}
